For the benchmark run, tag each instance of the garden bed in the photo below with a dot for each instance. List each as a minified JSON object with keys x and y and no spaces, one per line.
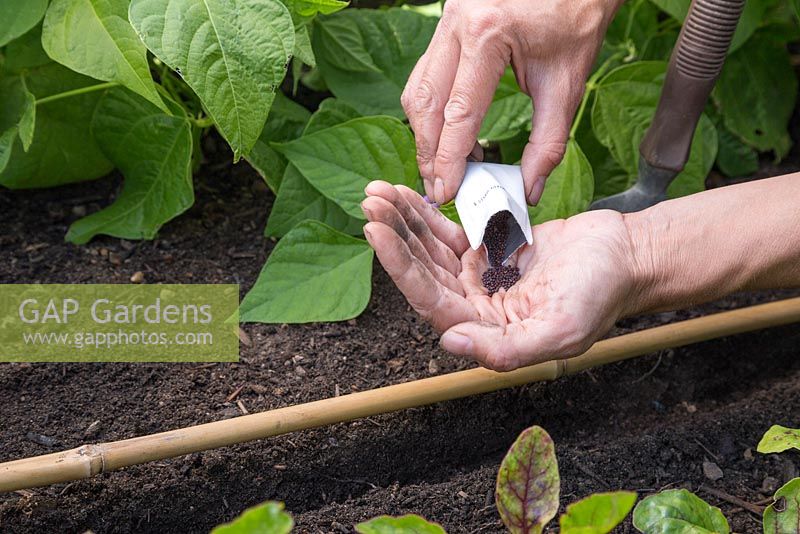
{"x":641,"y":425}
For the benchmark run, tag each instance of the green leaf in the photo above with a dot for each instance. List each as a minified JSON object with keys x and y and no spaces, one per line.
{"x":154,"y":153}
{"x":734,"y":157}
{"x":233,"y":54}
{"x":340,"y":161}
{"x":756,"y":93}
{"x":331,"y":112}
{"x":678,"y":511}
{"x":366,"y":55}
{"x":313,"y":274}
{"x":624,"y":106}
{"x":17,"y":116}
{"x":783,"y":515}
{"x":297,"y":200}
{"x":569,"y":188}
{"x":406,"y":524}
{"x":528,"y":483}
{"x":25,"y":53}
{"x":598,"y":513}
{"x":778,"y":439}
{"x":796,"y":6}
{"x":94,"y":37}
{"x":449,"y":210}
{"x":267,"y":518}
{"x":310,"y":8}
{"x":63,"y":149}
{"x":19,"y":16}
{"x":285,"y":122}
{"x":510,"y":112}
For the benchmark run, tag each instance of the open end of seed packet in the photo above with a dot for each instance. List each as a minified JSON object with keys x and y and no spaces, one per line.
{"x":487,"y":191}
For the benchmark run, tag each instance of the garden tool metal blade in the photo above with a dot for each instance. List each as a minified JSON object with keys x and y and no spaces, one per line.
{"x":694,"y":67}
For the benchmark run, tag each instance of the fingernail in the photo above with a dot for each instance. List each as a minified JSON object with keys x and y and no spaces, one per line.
{"x":366,"y":210}
{"x":433,"y":203}
{"x":536,"y":191}
{"x":366,"y":233}
{"x":456,"y":343}
{"x":438,"y":191}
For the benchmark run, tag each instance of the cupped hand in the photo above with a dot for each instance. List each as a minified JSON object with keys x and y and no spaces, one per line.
{"x":577,"y":279}
{"x":551,"y":45}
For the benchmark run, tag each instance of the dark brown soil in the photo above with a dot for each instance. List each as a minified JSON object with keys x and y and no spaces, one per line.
{"x":643,"y":425}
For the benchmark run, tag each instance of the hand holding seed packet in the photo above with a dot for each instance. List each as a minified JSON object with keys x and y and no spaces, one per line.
{"x":573,"y":281}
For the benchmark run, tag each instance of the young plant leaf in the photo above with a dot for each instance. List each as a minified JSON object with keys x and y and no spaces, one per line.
{"x":625,"y":103}
{"x":734,"y":158}
{"x":297,"y":200}
{"x":314,"y":273}
{"x":285,"y":122}
{"x":598,"y":513}
{"x":94,"y":37}
{"x":267,"y":518}
{"x":528,"y":483}
{"x":759,"y":111}
{"x":569,"y":188}
{"x":510,"y":112}
{"x":340,"y":161}
{"x":62,"y":150}
{"x":678,"y":511}
{"x":18,"y":17}
{"x":783,"y":515}
{"x":778,"y":439}
{"x":331,"y":112}
{"x":366,"y":55}
{"x":233,"y":54}
{"x":17,"y":116}
{"x":154,"y":153}
{"x":406,"y":524}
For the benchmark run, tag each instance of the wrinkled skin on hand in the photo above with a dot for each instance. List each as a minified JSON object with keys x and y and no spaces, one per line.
{"x":577,"y":280}
{"x":551,"y":45}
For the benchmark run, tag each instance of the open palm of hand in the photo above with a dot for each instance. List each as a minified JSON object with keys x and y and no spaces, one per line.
{"x":576,"y":280}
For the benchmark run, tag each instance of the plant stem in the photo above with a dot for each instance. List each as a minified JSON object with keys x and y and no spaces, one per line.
{"x":203,"y":122}
{"x":591,"y":85}
{"x":76,"y":92}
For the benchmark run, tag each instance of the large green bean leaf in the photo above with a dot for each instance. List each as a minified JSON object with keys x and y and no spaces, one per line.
{"x":62,"y":149}
{"x":331,"y":112}
{"x":154,"y":152}
{"x":233,"y":53}
{"x":569,"y":188}
{"x":678,"y":511}
{"x":528,"y":483}
{"x":94,"y":37}
{"x":510,"y":112}
{"x":340,"y":161}
{"x":779,"y":439}
{"x":366,"y":55}
{"x":19,"y":16}
{"x":298,"y":200}
{"x":313,"y":274}
{"x":756,"y":93}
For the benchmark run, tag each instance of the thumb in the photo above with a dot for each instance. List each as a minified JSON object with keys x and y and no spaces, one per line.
{"x":501,"y":348}
{"x":547,"y":143}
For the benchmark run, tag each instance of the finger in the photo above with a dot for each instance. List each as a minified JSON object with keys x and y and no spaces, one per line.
{"x":445,"y":230}
{"x":479,"y":72}
{"x":552,"y":118}
{"x":502,"y":348}
{"x":439,"y":251}
{"x":435,"y":303}
{"x":379,"y":209}
{"x":424,"y":103}
{"x":477,"y":153}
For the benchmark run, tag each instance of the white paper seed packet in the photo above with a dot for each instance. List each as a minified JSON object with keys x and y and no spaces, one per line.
{"x":489,"y":188}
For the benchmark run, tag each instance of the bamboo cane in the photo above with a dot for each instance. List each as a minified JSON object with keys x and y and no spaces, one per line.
{"x":89,"y":460}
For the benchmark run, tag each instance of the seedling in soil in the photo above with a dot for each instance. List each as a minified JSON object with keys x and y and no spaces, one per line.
{"x":494,"y":239}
